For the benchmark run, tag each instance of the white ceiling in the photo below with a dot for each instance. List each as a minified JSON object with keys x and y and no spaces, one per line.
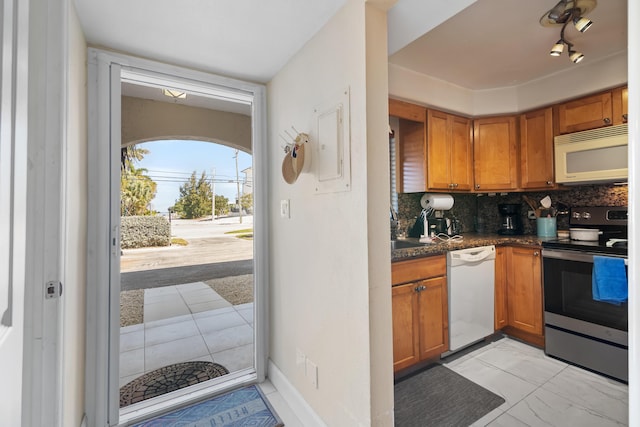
{"x":499,"y":43}
{"x":246,"y":39}
{"x":490,"y":44}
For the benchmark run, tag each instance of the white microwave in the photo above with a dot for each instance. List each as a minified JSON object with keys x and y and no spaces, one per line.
{"x":592,"y":156}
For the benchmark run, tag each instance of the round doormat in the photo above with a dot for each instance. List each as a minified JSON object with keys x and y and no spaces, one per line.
{"x":168,"y":379}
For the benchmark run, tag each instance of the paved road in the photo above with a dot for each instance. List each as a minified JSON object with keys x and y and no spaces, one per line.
{"x":210,"y":254}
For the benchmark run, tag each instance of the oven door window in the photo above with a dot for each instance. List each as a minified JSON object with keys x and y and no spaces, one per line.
{"x":567,"y":292}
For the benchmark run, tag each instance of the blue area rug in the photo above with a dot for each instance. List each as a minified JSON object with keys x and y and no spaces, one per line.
{"x":245,"y":407}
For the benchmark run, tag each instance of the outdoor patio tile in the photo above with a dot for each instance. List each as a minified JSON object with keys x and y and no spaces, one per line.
{"x":164,"y":293}
{"x":191,"y":286}
{"x":245,"y":306}
{"x":219,"y":322}
{"x":159,"y":355}
{"x":167,"y":298}
{"x":229,"y":338}
{"x":132,"y":362}
{"x":164,"y":310}
{"x":170,"y":332}
{"x":132,"y":328}
{"x":207,"y":358}
{"x":167,"y":321}
{"x":235,"y":359}
{"x":247,"y":314}
{"x":214,"y":312}
{"x":199,"y":296}
{"x":210,"y":305}
{"x":125,"y":380}
{"x":131,"y":340}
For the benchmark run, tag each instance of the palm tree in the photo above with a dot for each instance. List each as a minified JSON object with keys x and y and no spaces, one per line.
{"x":129,"y":155}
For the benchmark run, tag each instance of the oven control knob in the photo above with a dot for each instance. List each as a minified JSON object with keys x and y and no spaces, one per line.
{"x":586,"y":215}
{"x":576,"y":215}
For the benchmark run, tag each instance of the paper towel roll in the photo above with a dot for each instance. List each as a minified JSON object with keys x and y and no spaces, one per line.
{"x":439,"y":202}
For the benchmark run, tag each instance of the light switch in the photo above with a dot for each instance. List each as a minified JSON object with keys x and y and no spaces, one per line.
{"x":284,"y":208}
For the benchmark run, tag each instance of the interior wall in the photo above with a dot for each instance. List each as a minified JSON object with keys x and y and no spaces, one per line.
{"x":584,"y":79}
{"x":378,"y":190}
{"x":322,"y":290}
{"x":76,"y":227}
{"x":146,"y":120}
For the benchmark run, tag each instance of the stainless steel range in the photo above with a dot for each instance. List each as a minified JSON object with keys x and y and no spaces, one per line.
{"x":578,"y":328}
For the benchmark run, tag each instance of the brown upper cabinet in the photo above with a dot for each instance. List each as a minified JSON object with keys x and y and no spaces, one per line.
{"x":449,"y":152}
{"x":620,"y":99}
{"x":536,"y":149}
{"x":411,"y":146}
{"x":495,"y":153}
{"x":438,"y":151}
{"x":585,"y":113}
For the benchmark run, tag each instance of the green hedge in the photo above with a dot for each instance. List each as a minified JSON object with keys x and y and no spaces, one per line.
{"x":144,"y":231}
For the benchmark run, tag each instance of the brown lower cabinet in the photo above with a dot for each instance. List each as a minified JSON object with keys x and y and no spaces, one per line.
{"x":518,"y":297}
{"x":419,"y":307}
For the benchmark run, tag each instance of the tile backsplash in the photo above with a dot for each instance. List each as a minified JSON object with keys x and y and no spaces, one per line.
{"x":479,"y":212}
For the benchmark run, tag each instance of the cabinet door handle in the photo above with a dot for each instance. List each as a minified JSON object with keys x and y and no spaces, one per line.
{"x":549,"y":182}
{"x":536,"y":253}
{"x":420,"y":288}
{"x":455,"y":185}
{"x":477,"y":186}
{"x":606,"y":120}
{"x":625,"y":117}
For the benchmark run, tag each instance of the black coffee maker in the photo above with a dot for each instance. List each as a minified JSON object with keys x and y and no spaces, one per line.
{"x":510,"y":221}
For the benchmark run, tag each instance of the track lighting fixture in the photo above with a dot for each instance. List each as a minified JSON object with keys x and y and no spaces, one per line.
{"x":575,"y":56}
{"x":582,"y":24}
{"x":562,"y":13}
{"x":557,"y":48}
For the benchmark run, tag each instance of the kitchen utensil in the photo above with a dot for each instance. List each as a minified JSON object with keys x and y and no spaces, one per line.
{"x":546,"y":202}
{"x":585,"y":234}
{"x":532,"y":204}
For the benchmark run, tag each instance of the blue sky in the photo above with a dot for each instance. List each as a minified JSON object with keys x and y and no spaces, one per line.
{"x":170,"y":163}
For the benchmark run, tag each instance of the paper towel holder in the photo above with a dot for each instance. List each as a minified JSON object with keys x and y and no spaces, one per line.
{"x":432,"y":201}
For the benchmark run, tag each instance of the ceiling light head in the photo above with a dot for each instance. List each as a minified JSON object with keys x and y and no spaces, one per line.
{"x":557,"y":48}
{"x":175,"y":94}
{"x":575,"y":56}
{"x":582,"y":24}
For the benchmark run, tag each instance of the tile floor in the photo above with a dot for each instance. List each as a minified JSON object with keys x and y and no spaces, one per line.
{"x":186,"y":323}
{"x":192,"y":322}
{"x":541,"y":391}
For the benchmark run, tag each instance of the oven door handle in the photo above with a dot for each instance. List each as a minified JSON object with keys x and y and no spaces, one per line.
{"x":574,"y":256}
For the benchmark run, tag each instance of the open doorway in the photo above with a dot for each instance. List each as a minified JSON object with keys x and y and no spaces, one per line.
{"x":186,"y":266}
{"x":130,"y":108}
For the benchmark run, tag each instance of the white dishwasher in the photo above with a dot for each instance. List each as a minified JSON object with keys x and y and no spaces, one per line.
{"x":470,"y":276}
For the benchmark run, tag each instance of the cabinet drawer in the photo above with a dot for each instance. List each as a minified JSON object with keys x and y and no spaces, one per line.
{"x":417,"y":269}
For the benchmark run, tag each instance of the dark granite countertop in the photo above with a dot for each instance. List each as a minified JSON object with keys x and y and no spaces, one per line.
{"x":469,"y":240}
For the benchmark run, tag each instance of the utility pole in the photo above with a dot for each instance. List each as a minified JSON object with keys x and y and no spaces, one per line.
{"x":213,"y":194}
{"x":238,"y":188}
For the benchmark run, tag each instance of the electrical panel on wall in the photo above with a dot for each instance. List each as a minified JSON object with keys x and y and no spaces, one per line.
{"x":332,"y":144}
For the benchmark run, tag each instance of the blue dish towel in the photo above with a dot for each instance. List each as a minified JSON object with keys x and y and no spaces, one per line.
{"x":609,"y":280}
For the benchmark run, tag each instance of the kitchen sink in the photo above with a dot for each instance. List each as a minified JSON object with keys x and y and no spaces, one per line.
{"x":405,"y":244}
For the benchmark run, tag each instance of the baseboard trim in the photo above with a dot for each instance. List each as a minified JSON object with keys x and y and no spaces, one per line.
{"x":290,"y":394}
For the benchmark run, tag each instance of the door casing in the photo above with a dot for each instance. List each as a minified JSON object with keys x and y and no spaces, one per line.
{"x":106,"y":71}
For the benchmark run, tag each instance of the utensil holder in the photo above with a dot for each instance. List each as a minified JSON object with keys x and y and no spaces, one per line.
{"x":546,"y":226}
